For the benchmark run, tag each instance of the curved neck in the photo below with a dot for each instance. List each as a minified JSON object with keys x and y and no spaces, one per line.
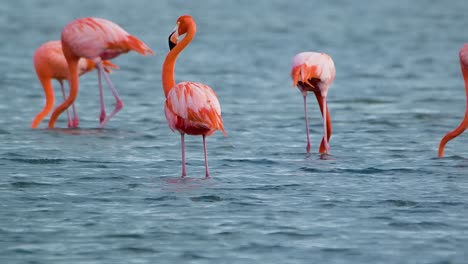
{"x":463,"y":125}
{"x":72,"y":61}
{"x":49,"y":104}
{"x":465,"y":77}
{"x":169,"y":62}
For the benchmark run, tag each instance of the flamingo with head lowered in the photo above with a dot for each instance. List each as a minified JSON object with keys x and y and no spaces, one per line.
{"x":464,"y":124}
{"x":95,"y":39}
{"x":315,"y":72}
{"x":191,"y":108}
{"x":50,"y":63}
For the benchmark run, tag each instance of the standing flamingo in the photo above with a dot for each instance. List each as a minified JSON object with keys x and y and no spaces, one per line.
{"x":464,"y":124}
{"x":191,"y":108}
{"x":315,"y":72}
{"x":50,"y":63}
{"x":96,"y":39}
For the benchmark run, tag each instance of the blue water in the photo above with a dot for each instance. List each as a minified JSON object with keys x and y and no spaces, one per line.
{"x":114,"y":195}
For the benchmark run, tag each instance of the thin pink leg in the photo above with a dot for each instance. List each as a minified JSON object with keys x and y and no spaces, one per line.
{"x":207,"y":174}
{"x":76,"y":120}
{"x":102,"y":116}
{"x":70,"y":123}
{"x":184,"y":171}
{"x":325,"y":136}
{"x":118,"y":101}
{"x":306,"y":122}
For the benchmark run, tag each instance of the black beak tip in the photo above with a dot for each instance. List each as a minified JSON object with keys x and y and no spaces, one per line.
{"x":171,"y":44}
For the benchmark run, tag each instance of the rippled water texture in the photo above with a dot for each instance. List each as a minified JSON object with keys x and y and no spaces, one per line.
{"x":114,"y":195}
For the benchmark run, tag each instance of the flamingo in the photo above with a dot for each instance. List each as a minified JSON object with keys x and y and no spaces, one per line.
{"x":50,"y":63}
{"x":191,"y":108}
{"x":464,"y":124}
{"x":315,"y":72}
{"x":95,"y":39}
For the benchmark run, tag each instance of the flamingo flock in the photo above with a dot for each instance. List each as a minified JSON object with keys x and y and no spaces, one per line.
{"x":190,"y":108}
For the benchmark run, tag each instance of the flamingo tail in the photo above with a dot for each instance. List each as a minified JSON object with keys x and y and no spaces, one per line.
{"x":137,"y":45}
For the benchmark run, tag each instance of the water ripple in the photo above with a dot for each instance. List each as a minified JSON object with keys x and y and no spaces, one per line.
{"x":264,"y":161}
{"x":28,"y":184}
{"x":294,"y":235}
{"x":369,"y":170}
{"x":125,"y":235}
{"x":400,"y":203}
{"x":139,"y":250}
{"x":417,"y":225}
{"x":161,"y":198}
{"x":207,"y":198}
{"x":272,"y":187}
{"x":36,"y":161}
{"x":338,"y":250}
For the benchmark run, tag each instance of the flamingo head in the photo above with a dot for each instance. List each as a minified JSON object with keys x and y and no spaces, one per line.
{"x":174,"y":37}
{"x":185,"y":23}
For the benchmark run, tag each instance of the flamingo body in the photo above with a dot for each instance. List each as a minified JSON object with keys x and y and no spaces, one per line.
{"x":96,"y":39}
{"x":49,"y":62}
{"x":193,"y":108}
{"x":463,"y":54}
{"x":315,"y":72}
{"x":310,"y":66}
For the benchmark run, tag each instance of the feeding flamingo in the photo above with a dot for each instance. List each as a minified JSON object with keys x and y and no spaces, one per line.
{"x":315,"y":72}
{"x":464,"y":124}
{"x":96,"y":39}
{"x":191,"y":108}
{"x":50,"y":63}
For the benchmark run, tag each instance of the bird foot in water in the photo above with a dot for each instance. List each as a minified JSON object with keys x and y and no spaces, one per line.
{"x":102,"y":117}
{"x":73,"y":123}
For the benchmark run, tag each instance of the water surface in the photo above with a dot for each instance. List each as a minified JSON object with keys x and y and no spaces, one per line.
{"x":114,"y":195}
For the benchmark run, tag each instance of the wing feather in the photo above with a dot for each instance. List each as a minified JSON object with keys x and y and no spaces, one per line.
{"x":309,"y":65}
{"x":196,"y":104}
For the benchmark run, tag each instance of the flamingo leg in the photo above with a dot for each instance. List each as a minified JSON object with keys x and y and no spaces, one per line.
{"x":207,"y":171}
{"x":102,"y":116}
{"x":304,"y":95}
{"x":184,"y":171}
{"x":76,"y":120}
{"x":307,"y":124}
{"x":118,"y":101}
{"x":70,"y":122}
{"x":329,"y":125}
{"x":325,"y":136}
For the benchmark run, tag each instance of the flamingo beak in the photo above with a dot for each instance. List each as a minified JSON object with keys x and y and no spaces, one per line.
{"x":174,"y":37}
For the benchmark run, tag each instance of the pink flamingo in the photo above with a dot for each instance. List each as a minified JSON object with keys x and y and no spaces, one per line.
{"x":50,"y":63}
{"x":315,"y":72}
{"x":191,"y":108}
{"x":96,"y":39}
{"x":464,"y":124}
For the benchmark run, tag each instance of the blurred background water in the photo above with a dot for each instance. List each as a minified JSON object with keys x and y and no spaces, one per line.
{"x":114,"y":195}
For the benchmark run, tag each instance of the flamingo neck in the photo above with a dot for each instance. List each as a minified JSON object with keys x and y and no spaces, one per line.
{"x":72,"y":61}
{"x":49,"y":104}
{"x":465,"y":77}
{"x":169,"y":62}
{"x":463,"y":125}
